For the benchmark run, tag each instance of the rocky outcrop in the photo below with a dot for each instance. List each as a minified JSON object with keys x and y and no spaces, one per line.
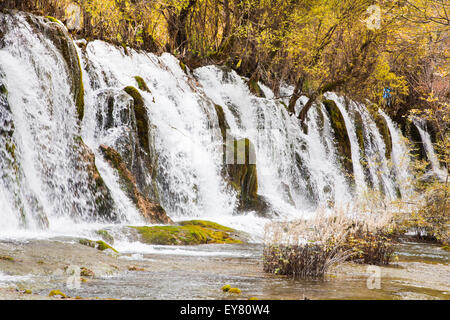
{"x":243,"y":177}
{"x":152,"y":212}
{"x":103,"y":203}
{"x":123,"y":114}
{"x":341,"y":136}
{"x":383,"y":128}
{"x":359,"y":127}
{"x":240,"y":168}
{"x":188,"y":233}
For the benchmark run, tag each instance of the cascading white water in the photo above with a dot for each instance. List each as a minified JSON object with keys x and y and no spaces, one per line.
{"x":297,"y":171}
{"x":401,"y":160}
{"x":46,"y":183}
{"x":429,"y":149}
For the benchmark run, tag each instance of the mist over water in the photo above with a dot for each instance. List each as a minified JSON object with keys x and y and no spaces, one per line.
{"x":45,"y":191}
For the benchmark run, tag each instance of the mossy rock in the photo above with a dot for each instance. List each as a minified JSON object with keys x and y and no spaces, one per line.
{"x":7,"y":258}
{"x":188,"y":233}
{"x":151,"y":210}
{"x":359,"y":127}
{"x":141,"y":84}
{"x":53,"y":19}
{"x":99,"y":245}
{"x":87,"y":242}
{"x":3,"y":89}
{"x":142,"y":120}
{"x":102,"y":245}
{"x":206,"y":224}
{"x":234,"y":290}
{"x":255,"y":88}
{"x":223,"y":124}
{"x":183,"y":67}
{"x":382,"y":126}
{"x":341,"y":135}
{"x":226,"y":288}
{"x":55,"y":293}
{"x":103,"y":200}
{"x":242,"y":175}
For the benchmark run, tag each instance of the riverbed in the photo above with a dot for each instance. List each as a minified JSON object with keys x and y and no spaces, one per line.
{"x":422,"y":271}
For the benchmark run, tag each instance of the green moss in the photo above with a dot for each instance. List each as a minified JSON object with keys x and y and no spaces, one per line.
{"x":3,"y":89}
{"x":341,"y":134}
{"x":99,"y":245}
{"x":183,"y":67}
{"x":206,"y":224}
{"x":141,"y":84}
{"x":187,"y":233}
{"x":234,"y":290}
{"x":125,"y":48}
{"x":283,"y":104}
{"x":79,"y":94}
{"x":223,"y":124}
{"x":7,"y":258}
{"x":54,"y":293}
{"x":87,"y":242}
{"x":141,"y":117}
{"x":362,"y":148}
{"x":226,"y":288}
{"x":243,"y":177}
{"x":53,"y":19}
{"x":102,"y":245}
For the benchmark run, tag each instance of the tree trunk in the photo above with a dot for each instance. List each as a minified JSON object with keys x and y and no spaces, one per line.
{"x":177,"y":25}
{"x":296,"y":94}
{"x":226,"y":18}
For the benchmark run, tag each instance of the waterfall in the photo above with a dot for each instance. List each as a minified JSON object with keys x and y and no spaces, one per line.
{"x":55,"y":174}
{"x":429,"y":149}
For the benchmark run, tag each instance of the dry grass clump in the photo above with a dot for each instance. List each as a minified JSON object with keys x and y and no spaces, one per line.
{"x":308,"y":248}
{"x":309,"y":261}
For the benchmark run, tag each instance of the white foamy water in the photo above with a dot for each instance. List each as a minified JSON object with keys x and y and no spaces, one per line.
{"x":8,"y":280}
{"x":138,"y":249}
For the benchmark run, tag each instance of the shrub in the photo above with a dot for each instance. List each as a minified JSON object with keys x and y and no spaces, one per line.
{"x":369,"y":247}
{"x":306,"y":249}
{"x":309,"y":261}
